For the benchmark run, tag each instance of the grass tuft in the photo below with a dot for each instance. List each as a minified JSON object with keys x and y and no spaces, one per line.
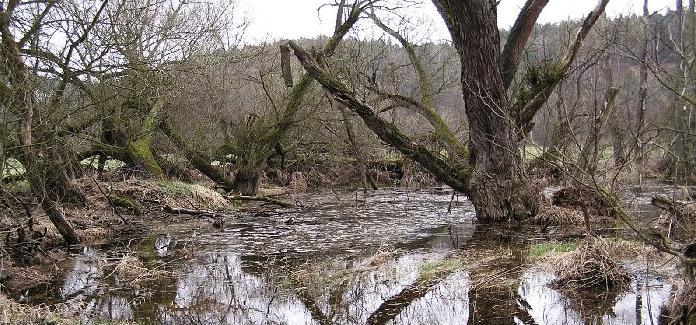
{"x":542,"y":249}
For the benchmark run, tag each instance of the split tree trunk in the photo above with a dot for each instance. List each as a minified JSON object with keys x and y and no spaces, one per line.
{"x":499,"y":187}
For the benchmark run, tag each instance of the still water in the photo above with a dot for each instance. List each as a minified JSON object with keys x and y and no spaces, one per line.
{"x":343,"y":258}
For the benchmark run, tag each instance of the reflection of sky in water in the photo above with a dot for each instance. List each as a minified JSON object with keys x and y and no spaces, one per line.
{"x":214,"y":289}
{"x":446,"y":303}
{"x":548,"y":306}
{"x":84,"y":274}
{"x":164,"y":245}
{"x":115,"y":307}
{"x":367,"y":291}
{"x":652,"y":299}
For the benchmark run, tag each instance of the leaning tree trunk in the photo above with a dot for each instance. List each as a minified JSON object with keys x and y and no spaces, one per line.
{"x":499,"y":188}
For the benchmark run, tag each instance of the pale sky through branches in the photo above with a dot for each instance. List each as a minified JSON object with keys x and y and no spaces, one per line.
{"x":291,"y":19}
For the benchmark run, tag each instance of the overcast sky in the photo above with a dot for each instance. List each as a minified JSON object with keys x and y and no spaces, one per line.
{"x":290,"y":19}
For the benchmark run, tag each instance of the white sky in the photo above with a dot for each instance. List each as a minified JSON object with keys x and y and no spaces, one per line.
{"x":291,"y":19}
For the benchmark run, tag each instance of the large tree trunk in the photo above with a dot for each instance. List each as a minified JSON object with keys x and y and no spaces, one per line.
{"x":497,"y":184}
{"x":499,"y":188}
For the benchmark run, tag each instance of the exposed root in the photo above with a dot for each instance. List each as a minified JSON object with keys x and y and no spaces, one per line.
{"x":590,"y":267}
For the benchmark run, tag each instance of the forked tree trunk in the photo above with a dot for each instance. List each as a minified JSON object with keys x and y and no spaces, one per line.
{"x":499,"y":188}
{"x":497,"y":184}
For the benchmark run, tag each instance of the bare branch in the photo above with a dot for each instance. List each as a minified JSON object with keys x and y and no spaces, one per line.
{"x":519,"y":34}
{"x":527,"y":110}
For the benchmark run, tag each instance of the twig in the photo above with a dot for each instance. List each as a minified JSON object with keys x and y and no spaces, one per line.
{"x":111,"y":203}
{"x":193,"y":212}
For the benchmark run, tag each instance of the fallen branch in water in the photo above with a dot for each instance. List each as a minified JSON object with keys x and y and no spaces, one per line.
{"x":281,"y":203}
{"x":193,"y":212}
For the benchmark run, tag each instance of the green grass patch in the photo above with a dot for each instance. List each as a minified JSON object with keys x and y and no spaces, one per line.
{"x":541,"y":249}
{"x":435,"y":269}
{"x":174,"y":187}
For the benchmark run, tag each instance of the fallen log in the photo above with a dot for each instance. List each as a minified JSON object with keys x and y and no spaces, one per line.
{"x":194,"y":212}
{"x":281,"y":203}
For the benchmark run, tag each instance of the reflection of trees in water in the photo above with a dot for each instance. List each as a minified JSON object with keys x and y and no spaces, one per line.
{"x":549,"y":306}
{"x":86,"y":291}
{"x":393,"y":292}
{"x":219,"y":292}
{"x":83,"y":277}
{"x":431,"y":302}
{"x":114,"y":307}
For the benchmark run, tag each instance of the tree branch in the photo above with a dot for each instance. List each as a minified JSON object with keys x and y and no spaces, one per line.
{"x":526,"y":111}
{"x":517,"y":40}
{"x":426,"y":106}
{"x":454,"y":176}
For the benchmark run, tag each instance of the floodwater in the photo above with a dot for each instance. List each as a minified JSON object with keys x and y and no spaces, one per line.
{"x":344,"y":258}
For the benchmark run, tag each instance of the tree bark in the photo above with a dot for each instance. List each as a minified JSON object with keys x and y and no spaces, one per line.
{"x":643,"y":91}
{"x":499,"y":187}
{"x":246,"y":180}
{"x":520,"y":32}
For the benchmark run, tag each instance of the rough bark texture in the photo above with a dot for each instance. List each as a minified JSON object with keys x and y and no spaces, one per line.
{"x":246,"y":181}
{"x":499,"y":188}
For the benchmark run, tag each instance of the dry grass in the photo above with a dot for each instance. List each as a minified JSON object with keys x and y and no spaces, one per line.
{"x":591,"y":266}
{"x":12,"y":313}
{"x":131,"y":271}
{"x":208,"y":197}
{"x":560,"y":216}
{"x":298,"y":183}
{"x":23,"y":278}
